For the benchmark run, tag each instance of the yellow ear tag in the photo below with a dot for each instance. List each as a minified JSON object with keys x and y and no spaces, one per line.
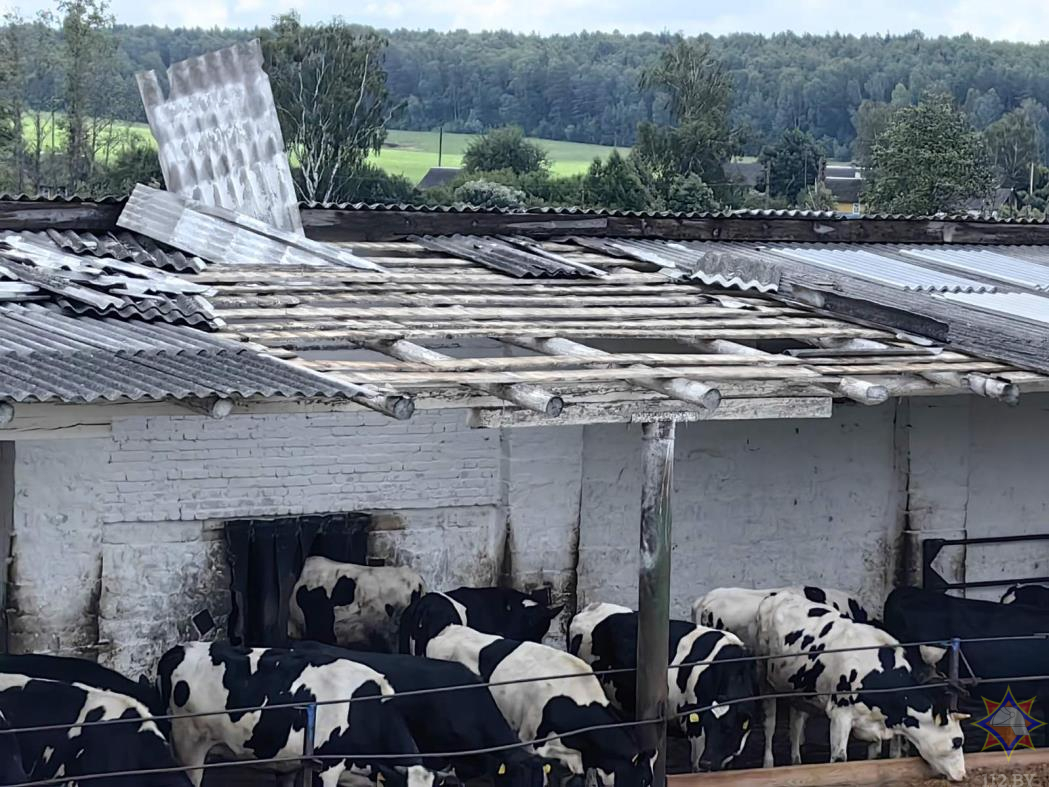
{"x":547,"y":768}
{"x":694,"y":718}
{"x":502,"y":769}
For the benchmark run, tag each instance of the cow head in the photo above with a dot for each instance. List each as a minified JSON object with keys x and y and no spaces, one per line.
{"x":938,"y":737}
{"x":531,"y":620}
{"x":717,"y":734}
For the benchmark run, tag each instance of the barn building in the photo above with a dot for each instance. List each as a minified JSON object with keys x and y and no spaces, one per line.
{"x":474,"y":385}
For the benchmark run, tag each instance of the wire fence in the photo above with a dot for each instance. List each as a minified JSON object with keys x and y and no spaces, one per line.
{"x":309,"y":760}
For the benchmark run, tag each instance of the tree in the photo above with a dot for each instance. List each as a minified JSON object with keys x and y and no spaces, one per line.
{"x":792,"y":164}
{"x":504,"y":149}
{"x":929,"y":160}
{"x":330,"y":89}
{"x":1012,"y":142}
{"x":88,"y":51}
{"x":617,"y":183}
{"x":695,"y":91}
{"x":137,"y":162}
{"x":869,"y":120}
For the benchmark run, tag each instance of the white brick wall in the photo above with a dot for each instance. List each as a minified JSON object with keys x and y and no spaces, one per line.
{"x":118,"y":540}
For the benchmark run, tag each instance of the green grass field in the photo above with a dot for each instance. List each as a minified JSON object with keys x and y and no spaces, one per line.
{"x":408,"y":153}
{"x":412,"y":153}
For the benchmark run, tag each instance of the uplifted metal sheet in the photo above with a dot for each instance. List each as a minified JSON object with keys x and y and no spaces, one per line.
{"x":1002,"y":265}
{"x":49,"y":356}
{"x":881,"y":268}
{"x":219,"y":136}
{"x":223,"y":236}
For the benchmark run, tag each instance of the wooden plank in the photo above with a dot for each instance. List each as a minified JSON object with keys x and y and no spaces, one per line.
{"x":864,"y":773}
{"x":559,"y":361}
{"x":654,"y":310}
{"x":638,"y":374}
{"x":303,"y":341}
{"x":347,"y":225}
{"x":638,"y":412}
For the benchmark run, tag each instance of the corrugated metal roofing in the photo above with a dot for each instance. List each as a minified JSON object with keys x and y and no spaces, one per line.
{"x":514,"y":256}
{"x":48,"y":356}
{"x":880,"y":268}
{"x":1007,"y":267}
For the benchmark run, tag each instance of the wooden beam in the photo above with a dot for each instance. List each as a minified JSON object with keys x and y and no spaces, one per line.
{"x":690,"y":391}
{"x":582,"y":413}
{"x":850,"y":387}
{"x":864,"y":773}
{"x":216,"y":407}
{"x":522,"y":394}
{"x":389,"y":225}
{"x":653,"y":597}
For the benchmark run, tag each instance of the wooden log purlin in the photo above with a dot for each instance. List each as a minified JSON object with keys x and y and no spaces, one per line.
{"x":653,"y":598}
{"x":521,"y":394}
{"x":692,"y":391}
{"x":974,"y":381}
{"x":851,"y":387}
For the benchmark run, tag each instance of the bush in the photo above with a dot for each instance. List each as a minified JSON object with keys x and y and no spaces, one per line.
{"x":690,"y":194}
{"x":373,"y":185}
{"x":136,"y":163}
{"x":504,"y":148}
{"x":618,"y":183}
{"x":486,"y":194}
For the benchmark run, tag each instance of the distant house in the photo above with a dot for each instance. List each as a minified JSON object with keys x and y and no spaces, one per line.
{"x":844,"y":180}
{"x":438,"y":176}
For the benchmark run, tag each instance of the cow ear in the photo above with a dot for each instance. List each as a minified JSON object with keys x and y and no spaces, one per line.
{"x":553,"y":612}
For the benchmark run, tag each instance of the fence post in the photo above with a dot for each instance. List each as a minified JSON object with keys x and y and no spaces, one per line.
{"x":952,"y":672}
{"x":307,"y":745}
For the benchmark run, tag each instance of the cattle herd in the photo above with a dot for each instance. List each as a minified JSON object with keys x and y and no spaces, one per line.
{"x":403,"y":688}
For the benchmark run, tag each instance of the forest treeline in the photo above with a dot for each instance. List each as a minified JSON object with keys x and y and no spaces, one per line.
{"x":585,"y":87}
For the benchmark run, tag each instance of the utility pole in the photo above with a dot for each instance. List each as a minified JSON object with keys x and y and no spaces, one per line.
{"x":768,"y":182}
{"x":440,"y":145}
{"x":1030,"y":191}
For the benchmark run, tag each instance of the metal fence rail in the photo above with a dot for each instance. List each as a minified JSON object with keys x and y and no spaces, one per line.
{"x":308,"y":760}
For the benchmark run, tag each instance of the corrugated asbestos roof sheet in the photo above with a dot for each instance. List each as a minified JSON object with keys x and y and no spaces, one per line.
{"x":1004,"y":265}
{"x":48,"y":356}
{"x":711,"y":264}
{"x":514,"y":256}
{"x":220,"y":235}
{"x":218,"y":135}
{"x":126,"y":246}
{"x":882,"y":268}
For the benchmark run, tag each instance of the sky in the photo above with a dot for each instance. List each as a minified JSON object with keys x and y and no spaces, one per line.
{"x":1016,"y":20}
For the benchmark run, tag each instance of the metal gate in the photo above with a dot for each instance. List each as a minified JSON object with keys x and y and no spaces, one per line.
{"x":931,"y":548}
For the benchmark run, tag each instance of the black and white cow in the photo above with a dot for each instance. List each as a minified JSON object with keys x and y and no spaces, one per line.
{"x":65,"y":669}
{"x":198,"y":677}
{"x":736,"y":609}
{"x":350,"y":605}
{"x":463,"y":719}
{"x":131,"y":743}
{"x":872,"y":692}
{"x":545,"y":706}
{"x":501,"y":611}
{"x":713,"y":703}
{"x":1028,"y":595}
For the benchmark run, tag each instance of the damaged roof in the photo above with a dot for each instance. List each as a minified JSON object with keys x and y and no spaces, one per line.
{"x":529,"y":324}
